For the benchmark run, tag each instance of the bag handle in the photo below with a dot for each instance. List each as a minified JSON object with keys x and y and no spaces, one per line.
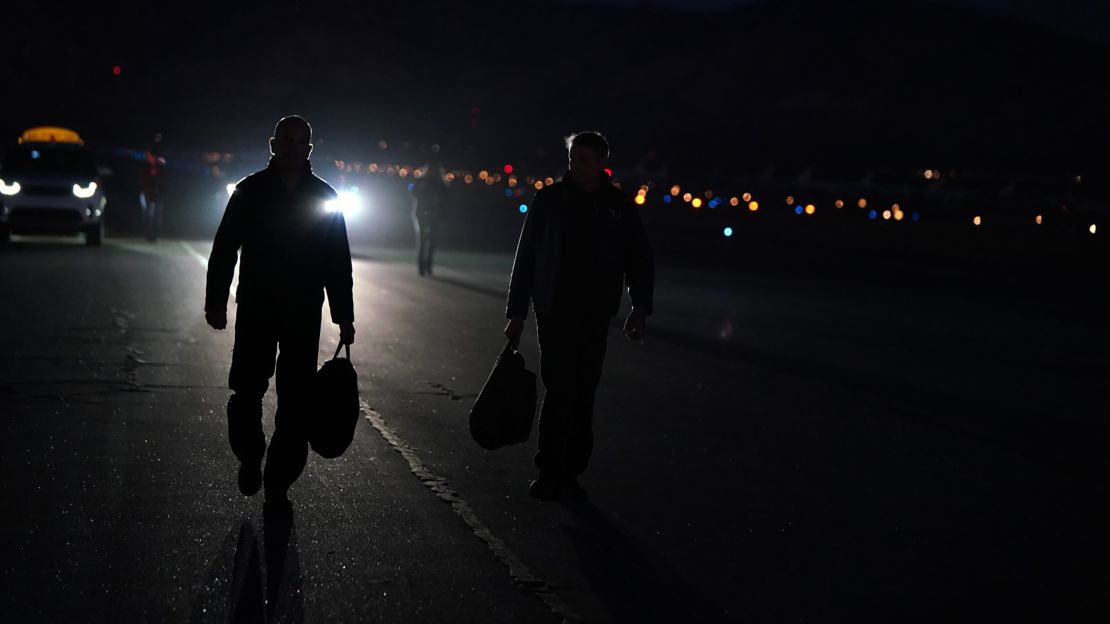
{"x":341,"y":345}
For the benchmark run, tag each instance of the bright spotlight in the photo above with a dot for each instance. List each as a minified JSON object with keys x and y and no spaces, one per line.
{"x":348,"y":202}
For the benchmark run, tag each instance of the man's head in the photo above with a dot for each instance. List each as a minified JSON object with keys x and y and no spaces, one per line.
{"x":291,"y":143}
{"x":587,"y":153}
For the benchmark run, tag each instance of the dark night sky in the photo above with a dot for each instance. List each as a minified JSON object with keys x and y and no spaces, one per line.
{"x":1090,"y":18}
{"x":785,"y":80}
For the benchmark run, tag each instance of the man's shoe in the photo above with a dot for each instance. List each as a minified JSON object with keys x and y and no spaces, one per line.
{"x":544,"y":488}
{"x":571,"y":488}
{"x":250,"y":478}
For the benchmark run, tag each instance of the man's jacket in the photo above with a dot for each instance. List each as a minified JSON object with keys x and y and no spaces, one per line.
{"x":293,"y":247}
{"x":614,"y":251}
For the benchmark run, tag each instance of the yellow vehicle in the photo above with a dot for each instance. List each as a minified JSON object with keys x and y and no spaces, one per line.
{"x":50,"y":184}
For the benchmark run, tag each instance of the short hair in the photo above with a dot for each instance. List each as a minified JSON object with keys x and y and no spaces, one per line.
{"x":289,"y":120}
{"x":591,"y":139}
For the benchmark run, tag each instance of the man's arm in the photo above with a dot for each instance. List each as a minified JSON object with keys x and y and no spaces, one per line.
{"x":339,"y":281}
{"x":521,"y":282}
{"x":221,"y":263}
{"x":524,"y":263}
{"x":639,"y":275}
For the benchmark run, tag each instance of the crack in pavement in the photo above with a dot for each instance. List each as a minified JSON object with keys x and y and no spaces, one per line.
{"x":442,"y":390}
{"x":521,"y":576}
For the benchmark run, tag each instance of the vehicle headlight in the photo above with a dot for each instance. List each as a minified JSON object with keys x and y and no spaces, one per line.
{"x":84,"y":192}
{"x":348,"y":202}
{"x":9,"y":189}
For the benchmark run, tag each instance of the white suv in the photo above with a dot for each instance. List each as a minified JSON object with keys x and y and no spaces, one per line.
{"x":50,"y":184}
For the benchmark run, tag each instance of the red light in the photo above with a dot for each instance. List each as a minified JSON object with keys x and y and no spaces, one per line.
{"x":115,"y":70}
{"x":609,"y":172}
{"x":507,"y":168}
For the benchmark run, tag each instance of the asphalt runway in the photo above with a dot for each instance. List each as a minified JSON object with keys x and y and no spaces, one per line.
{"x":896,"y":440}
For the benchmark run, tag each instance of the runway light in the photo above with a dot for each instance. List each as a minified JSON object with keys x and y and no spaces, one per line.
{"x":686,"y":197}
{"x":798,"y":210}
{"x":735,"y":201}
{"x":696,"y":202}
{"x":675,"y":190}
{"x":708,"y":194}
{"x":872,"y":215}
{"x":886,"y":215}
{"x":116,"y":70}
{"x":512,"y":181}
{"x":1038,"y":219}
{"x":928,"y":174}
{"x":728,"y":232}
{"x":538,"y":184}
{"x":667,"y":199}
{"x":899,"y":215}
{"x":977,"y":220}
{"x":469,"y":179}
{"x":548,"y":181}
{"x":862,"y":203}
{"x":507,"y":168}
{"x":789,"y":200}
{"x":609,"y":172}
{"x":639,"y":200}
{"x":753,"y":206}
{"x":839,"y":203}
{"x":916,"y":217}
{"x":523,"y":208}
{"x":746,"y":197}
{"x":483,"y":174}
{"x":713,"y":203}
{"x":1093,"y":228}
{"x":810,"y":209}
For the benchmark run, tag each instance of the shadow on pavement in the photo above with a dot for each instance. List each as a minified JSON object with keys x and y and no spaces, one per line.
{"x":631,"y":586}
{"x":499,"y":293}
{"x":249,"y":584}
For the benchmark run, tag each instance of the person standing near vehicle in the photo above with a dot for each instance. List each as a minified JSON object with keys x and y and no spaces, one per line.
{"x":294,"y":248}
{"x":581,"y":241}
{"x":150,"y":189}
{"x":429,"y":204}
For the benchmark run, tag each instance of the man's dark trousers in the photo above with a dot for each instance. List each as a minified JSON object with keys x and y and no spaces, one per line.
{"x":572,"y":350}
{"x":292,"y":334}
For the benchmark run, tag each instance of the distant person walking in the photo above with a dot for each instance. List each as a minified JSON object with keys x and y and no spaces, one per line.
{"x":582,"y":240}
{"x":293,"y":250}
{"x":429,"y":206}
{"x":150,"y":189}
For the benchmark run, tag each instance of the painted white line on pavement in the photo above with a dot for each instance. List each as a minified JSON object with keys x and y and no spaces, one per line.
{"x":196,"y":255}
{"x":521,"y":576}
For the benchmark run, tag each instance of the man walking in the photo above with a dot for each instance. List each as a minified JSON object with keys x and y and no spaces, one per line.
{"x":582,"y":240}
{"x":293,"y":244}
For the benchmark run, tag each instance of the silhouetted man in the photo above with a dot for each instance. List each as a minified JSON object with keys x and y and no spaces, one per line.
{"x":294,"y":247}
{"x":582,"y":240}
{"x":429,"y":195}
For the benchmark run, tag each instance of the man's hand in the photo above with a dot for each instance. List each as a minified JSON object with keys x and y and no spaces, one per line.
{"x":217,"y":319}
{"x":347,"y":332}
{"x":513,"y":330}
{"x":635,"y":325}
